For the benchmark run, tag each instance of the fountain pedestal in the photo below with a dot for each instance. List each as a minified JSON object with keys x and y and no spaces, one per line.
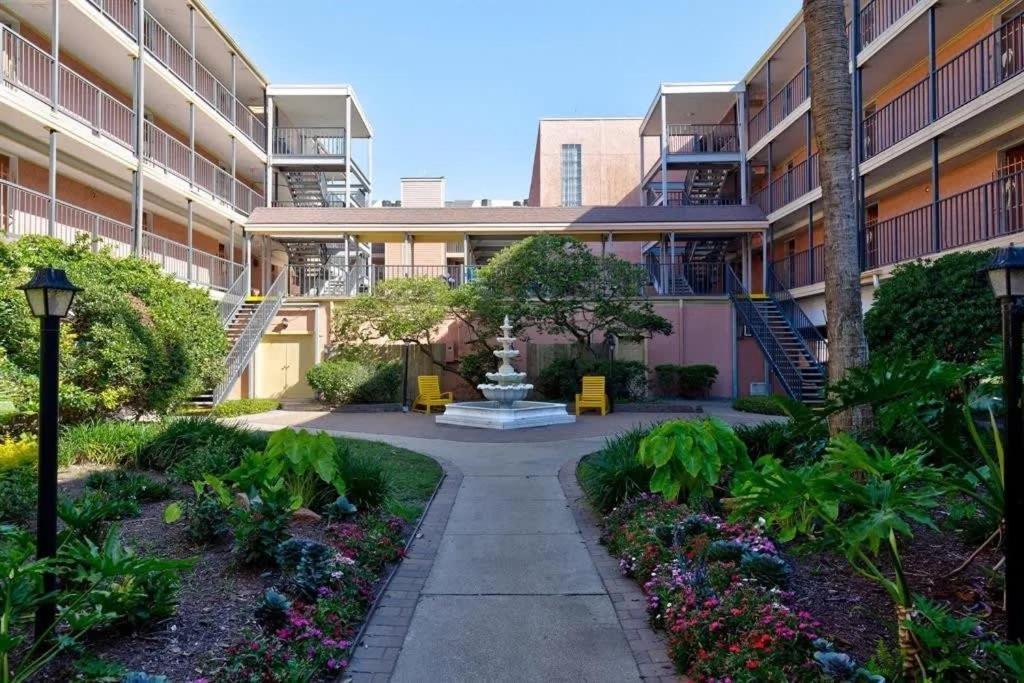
{"x":505,"y":408}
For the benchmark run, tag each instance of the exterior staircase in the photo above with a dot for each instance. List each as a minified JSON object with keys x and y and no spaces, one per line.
{"x":792,"y":345}
{"x":307,"y":188}
{"x":706,"y":185}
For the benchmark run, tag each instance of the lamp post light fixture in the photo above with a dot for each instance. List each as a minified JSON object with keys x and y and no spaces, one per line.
{"x":1006,"y":275}
{"x":406,"y":343}
{"x":50,"y":295}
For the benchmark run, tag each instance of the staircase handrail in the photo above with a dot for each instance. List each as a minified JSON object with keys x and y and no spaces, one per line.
{"x":788,"y":374}
{"x":653,"y":266}
{"x":817,"y":347}
{"x":233,"y":298}
{"x":249,"y":339}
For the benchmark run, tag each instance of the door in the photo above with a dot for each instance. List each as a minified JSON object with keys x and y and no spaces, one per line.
{"x":282,"y":361}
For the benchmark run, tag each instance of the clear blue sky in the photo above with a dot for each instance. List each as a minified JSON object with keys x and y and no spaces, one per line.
{"x":455,"y":87}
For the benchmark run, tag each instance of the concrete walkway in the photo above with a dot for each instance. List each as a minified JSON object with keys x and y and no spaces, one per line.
{"x":502,"y":585}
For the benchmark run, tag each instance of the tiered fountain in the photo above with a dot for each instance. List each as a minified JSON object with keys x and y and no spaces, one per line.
{"x":505,"y":407}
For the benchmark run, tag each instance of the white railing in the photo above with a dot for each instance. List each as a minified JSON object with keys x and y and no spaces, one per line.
{"x":176,"y":57}
{"x":250,"y":337}
{"x":233,"y":297}
{"x":27,"y":67}
{"x":27,"y":212}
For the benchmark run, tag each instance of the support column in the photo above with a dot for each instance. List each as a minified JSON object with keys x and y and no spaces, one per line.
{"x":808,"y":135}
{"x":664,"y":152}
{"x":265,"y":265}
{"x":936,"y":223}
{"x":55,"y":56}
{"x":51,"y":223}
{"x":764,"y":261}
{"x":768,"y":92}
{"x":268,"y":114}
{"x":810,"y":240}
{"x":643,"y":168}
{"x":188,"y":235}
{"x":741,"y":133}
{"x":409,"y":259}
{"x":192,"y":43}
{"x":234,"y":169}
{"x":231,"y":251}
{"x":933,"y":95}
{"x":234,"y":88}
{"x":247,"y":259}
{"x":348,"y":151}
{"x":139,"y":107}
{"x":191,"y":143}
{"x":369,"y":171}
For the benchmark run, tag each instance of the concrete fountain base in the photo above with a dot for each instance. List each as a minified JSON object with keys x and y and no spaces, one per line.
{"x":490,"y":415}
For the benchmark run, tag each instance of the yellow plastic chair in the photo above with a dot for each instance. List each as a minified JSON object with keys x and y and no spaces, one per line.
{"x":593,"y":396}
{"x":430,"y":394}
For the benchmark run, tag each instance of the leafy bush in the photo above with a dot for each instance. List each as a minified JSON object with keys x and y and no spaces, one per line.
{"x":139,"y":340}
{"x":89,"y":515}
{"x":689,"y":456}
{"x":18,"y":488}
{"x":943,"y":308}
{"x":762,"y":405}
{"x":206,"y":517}
{"x":262,"y":526}
{"x":132,"y":589}
{"x":244,"y":406}
{"x":690,"y":381}
{"x":367,"y":485}
{"x":127,"y":485}
{"x":193,"y":446}
{"x":624,"y":380}
{"x":614,"y":473}
{"x":105,"y":442}
{"x":341,"y":382}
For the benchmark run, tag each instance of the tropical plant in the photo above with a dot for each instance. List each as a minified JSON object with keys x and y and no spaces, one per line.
{"x":832,"y":113}
{"x":262,"y":525}
{"x":858,"y":500}
{"x":690,"y":456}
{"x":614,"y":473}
{"x":206,"y":516}
{"x":89,"y":515}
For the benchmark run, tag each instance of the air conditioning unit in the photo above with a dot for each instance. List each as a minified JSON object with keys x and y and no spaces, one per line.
{"x":760,"y":389}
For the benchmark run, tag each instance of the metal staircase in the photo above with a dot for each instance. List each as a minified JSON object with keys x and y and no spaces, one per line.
{"x":307,"y":188}
{"x":792,"y":345}
{"x":706,"y":185}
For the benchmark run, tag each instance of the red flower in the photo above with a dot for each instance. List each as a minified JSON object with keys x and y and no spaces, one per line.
{"x":753,"y":663}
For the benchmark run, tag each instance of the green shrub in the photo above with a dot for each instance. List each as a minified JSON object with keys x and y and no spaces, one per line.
{"x":342,"y":382}
{"x":89,"y":515}
{"x":190,"y":447}
{"x":139,"y":340}
{"x":245,"y":406}
{"x":105,"y":442}
{"x":367,"y":484}
{"x":762,"y":405}
{"x":944,"y":307}
{"x":614,"y":474}
{"x":624,"y":380}
{"x":695,"y":381}
{"x":18,"y":487}
{"x":666,"y":379}
{"x":206,"y":517}
{"x":262,"y":526}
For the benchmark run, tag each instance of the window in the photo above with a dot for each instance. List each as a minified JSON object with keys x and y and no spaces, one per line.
{"x":572,"y":183}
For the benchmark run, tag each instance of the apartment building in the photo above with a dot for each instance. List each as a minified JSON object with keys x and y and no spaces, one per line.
{"x":142,"y":125}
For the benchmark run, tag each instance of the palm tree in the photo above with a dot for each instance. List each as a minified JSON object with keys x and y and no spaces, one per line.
{"x":832,"y":112}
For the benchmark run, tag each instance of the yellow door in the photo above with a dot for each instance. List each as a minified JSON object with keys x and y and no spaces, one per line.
{"x":281,"y":364}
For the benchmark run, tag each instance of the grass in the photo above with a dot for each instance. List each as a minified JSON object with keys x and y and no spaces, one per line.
{"x":413,"y":476}
{"x":108,"y":442}
{"x":245,"y":406}
{"x":762,"y":405}
{"x":613,"y":474}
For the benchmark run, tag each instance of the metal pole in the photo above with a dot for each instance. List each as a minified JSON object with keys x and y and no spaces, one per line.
{"x":348,"y":152}
{"x":234,"y":89}
{"x":268,"y":115}
{"x":1013,"y":314}
{"x":139,"y":102}
{"x":933,"y":99}
{"x":369,"y":171}
{"x":46,"y":510}
{"x":643,"y":190}
{"x":51,"y":228}
{"x":191,"y":143}
{"x":234,"y":170}
{"x":936,"y":223}
{"x":55,"y":56}
{"x":192,"y":43}
{"x":664,"y":152}
{"x":189,"y":237}
{"x":405,"y":378}
{"x":247,"y":259}
{"x":231,"y":249}
{"x":741,"y":133}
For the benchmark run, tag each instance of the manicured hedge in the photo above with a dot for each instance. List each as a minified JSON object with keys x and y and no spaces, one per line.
{"x":624,"y":380}
{"x":687,"y":381}
{"x":245,"y":406}
{"x":763,"y":405}
{"x":342,"y":382}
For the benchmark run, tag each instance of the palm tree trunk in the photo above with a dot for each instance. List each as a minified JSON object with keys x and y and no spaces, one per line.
{"x":832,"y":112}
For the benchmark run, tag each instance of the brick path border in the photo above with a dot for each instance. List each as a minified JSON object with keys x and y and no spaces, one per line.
{"x":649,"y":648}
{"x":377,"y":652}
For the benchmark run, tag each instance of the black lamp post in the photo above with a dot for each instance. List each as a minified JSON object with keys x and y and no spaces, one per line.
{"x":1006,"y":274}
{"x":49,"y":295}
{"x":405,"y":374}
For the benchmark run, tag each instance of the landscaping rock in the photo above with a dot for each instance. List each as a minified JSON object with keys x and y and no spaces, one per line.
{"x":305,"y":516}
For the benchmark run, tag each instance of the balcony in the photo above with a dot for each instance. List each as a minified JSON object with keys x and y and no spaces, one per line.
{"x":782,"y":104}
{"x":802,"y":268}
{"x":990,"y":62}
{"x":26,"y":67}
{"x":26,"y":212}
{"x":121,"y":12}
{"x":878,"y":15}
{"x":791,"y":186}
{"x":175,"y":157}
{"x":309,"y":142}
{"x":338,"y":280}
{"x":702,"y":138}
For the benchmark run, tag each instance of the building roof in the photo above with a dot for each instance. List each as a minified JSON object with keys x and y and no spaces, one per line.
{"x":507,"y":220}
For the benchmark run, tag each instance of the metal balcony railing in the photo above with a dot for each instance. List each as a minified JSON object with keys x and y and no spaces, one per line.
{"x":26,"y":212}
{"x":318,"y":142}
{"x":988,"y":63}
{"x":167,"y":50}
{"x":683,"y":198}
{"x":703,"y":138}
{"x":121,"y":12}
{"x":30,"y":69}
{"x":679,"y":277}
{"x":783,"y":103}
{"x":790,"y":186}
{"x":993,"y":209}
{"x":174,"y":156}
{"x":878,"y":15}
{"x":802,"y":268}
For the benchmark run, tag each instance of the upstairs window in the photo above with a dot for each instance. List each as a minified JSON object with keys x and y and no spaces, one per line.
{"x":572,"y":182}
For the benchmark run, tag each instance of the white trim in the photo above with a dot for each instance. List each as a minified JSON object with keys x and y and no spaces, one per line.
{"x":779,"y":127}
{"x":897,"y":27}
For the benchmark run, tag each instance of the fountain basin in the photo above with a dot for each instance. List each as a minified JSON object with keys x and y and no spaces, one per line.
{"x":505,"y":394}
{"x":492,"y":415}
